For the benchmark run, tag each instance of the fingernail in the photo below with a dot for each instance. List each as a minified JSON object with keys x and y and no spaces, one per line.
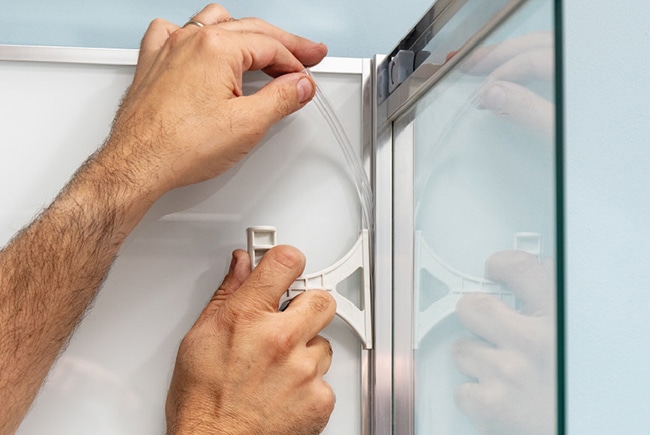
{"x":305,"y":89}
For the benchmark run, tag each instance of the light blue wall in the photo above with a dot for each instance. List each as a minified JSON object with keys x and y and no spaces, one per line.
{"x":608,"y":162}
{"x":359,"y":28}
{"x":608,"y":219}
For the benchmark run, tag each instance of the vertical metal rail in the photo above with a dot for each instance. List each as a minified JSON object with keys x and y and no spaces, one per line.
{"x":382,"y":364}
{"x":403,"y":278}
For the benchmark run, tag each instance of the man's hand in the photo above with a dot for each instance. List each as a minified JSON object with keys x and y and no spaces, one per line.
{"x":185,"y":118}
{"x":247,"y":368}
{"x":514,"y":363}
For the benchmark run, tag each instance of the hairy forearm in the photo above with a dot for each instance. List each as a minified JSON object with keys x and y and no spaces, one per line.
{"x":50,"y":272}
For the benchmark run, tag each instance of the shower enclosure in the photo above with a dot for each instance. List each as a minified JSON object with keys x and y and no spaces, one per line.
{"x":457,"y":132}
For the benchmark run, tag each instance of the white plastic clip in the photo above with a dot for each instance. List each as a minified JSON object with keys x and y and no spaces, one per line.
{"x":261,"y":239}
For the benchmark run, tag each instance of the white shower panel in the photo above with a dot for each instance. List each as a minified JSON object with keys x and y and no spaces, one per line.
{"x":113,"y":377}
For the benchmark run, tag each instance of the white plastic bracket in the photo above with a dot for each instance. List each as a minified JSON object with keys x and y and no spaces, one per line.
{"x":262,"y":238}
{"x":457,"y":283}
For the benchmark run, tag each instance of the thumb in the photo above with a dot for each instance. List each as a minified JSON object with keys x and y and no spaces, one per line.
{"x":275,"y":273}
{"x":280,"y":97}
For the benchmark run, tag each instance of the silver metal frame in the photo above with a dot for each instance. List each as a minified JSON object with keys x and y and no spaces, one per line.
{"x":382,"y":366}
{"x":403,"y":279}
{"x":367,"y":112}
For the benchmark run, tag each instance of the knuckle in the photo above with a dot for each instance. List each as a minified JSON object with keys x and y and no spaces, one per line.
{"x":284,"y":102}
{"x":282,"y":340}
{"x":158,"y":23}
{"x":208,"y":39}
{"x":234,"y":317}
{"x":305,"y":368}
{"x":174,"y":40}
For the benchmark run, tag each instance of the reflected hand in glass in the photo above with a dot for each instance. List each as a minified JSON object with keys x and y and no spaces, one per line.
{"x":514,"y":69}
{"x":513,"y":360}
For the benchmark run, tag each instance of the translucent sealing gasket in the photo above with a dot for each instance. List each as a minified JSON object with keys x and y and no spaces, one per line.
{"x":353,"y":162}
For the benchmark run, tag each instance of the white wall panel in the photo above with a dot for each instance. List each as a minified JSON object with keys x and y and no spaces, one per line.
{"x":114,"y":375}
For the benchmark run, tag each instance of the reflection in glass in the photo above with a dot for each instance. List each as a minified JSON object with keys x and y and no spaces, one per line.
{"x":484,"y":240}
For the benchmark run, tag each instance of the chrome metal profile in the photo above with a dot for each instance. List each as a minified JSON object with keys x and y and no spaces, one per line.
{"x":382,"y":354}
{"x":415,"y":41}
{"x":426,"y":75}
{"x":403,"y":278}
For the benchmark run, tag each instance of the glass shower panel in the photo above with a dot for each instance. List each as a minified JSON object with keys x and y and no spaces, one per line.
{"x":484,"y":239}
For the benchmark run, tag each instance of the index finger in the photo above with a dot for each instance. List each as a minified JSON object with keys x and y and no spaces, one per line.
{"x":309,"y":53}
{"x":263,"y":52}
{"x":310,"y":312}
{"x":274,"y":274}
{"x":491,"y":319}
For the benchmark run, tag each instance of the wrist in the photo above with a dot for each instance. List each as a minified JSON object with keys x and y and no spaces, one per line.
{"x":193,"y":421}
{"x":130,"y":173}
{"x":203,"y":416}
{"x":106,"y":189}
